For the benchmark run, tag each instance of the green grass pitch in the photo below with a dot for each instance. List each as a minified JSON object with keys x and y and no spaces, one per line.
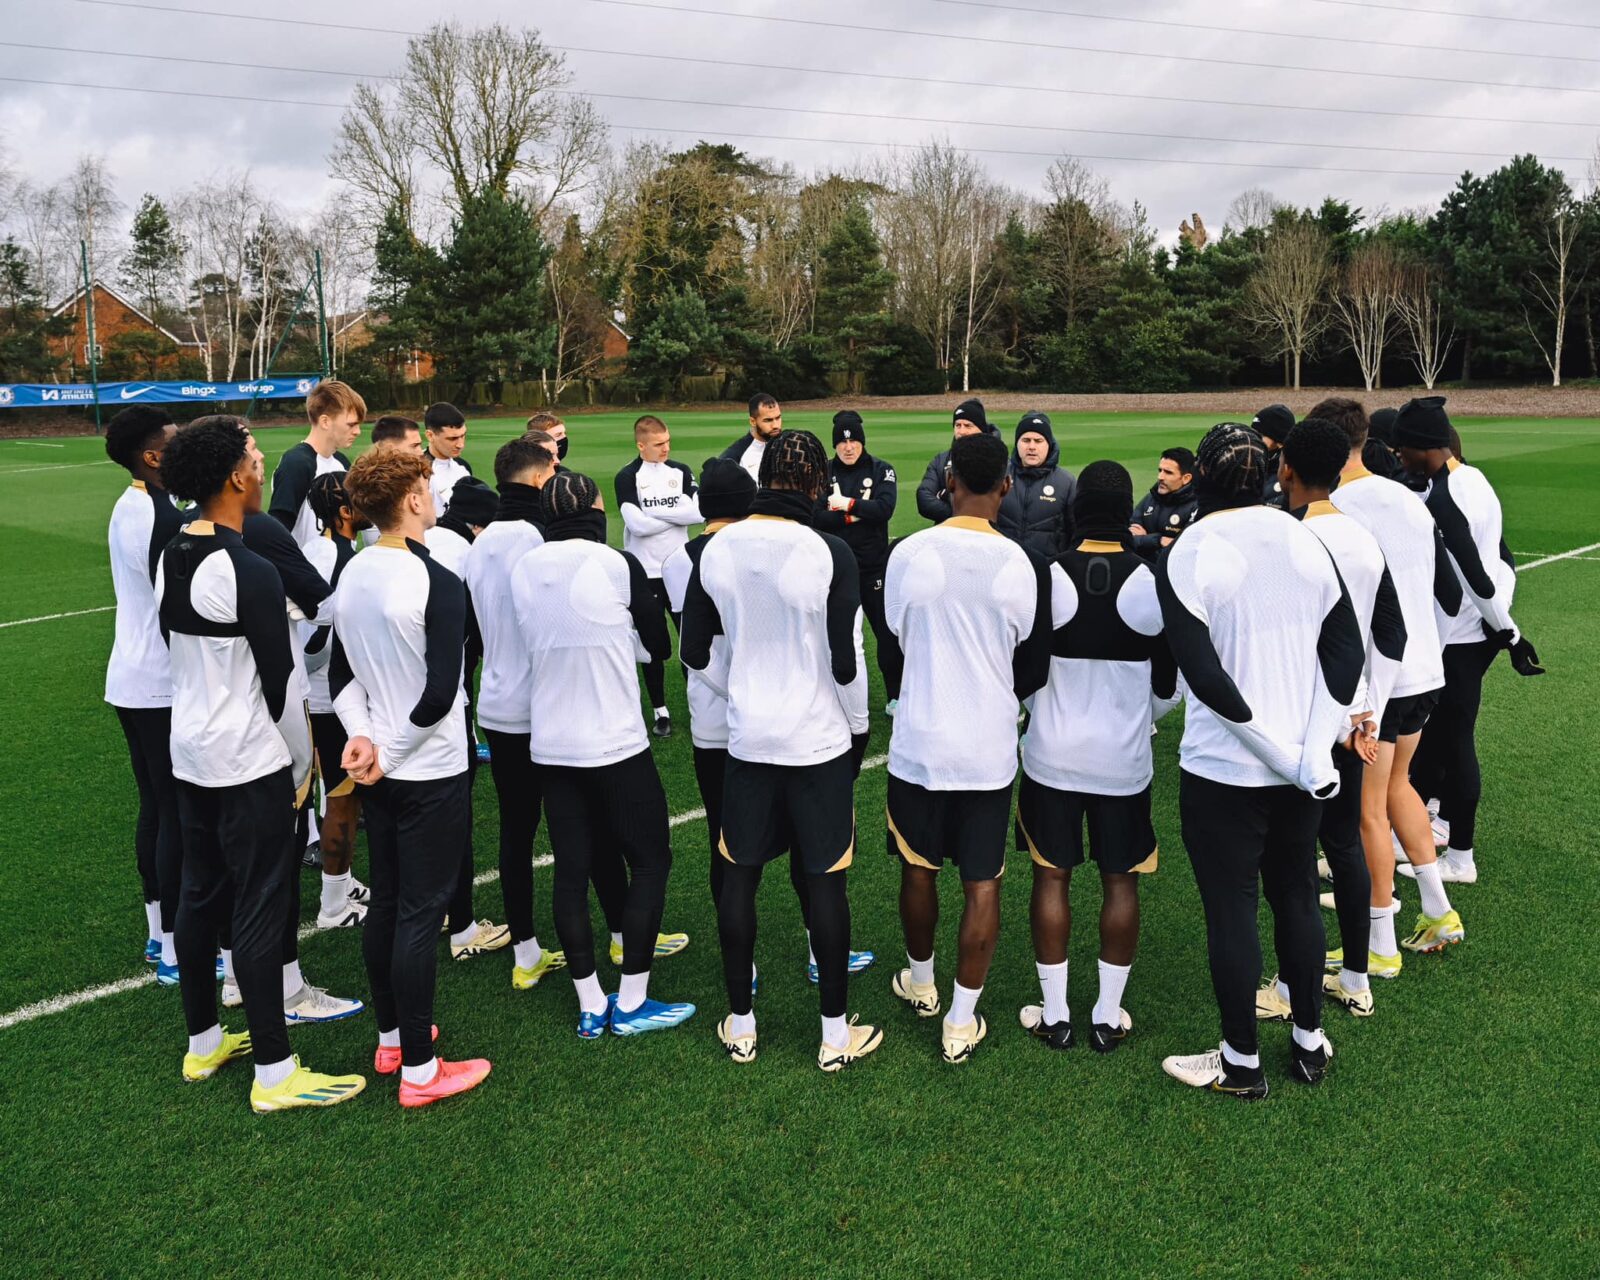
{"x":1450,"y":1136}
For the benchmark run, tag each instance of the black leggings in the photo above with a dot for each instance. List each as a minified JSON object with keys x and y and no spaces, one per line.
{"x":829,"y":923}
{"x":622,"y":806}
{"x":460,"y":913}
{"x":1238,"y":837}
{"x":655,"y":673}
{"x":415,"y":831}
{"x":1340,"y":835}
{"x":710,"y":767}
{"x":238,"y":856}
{"x":1446,"y":763}
{"x":157,"y":842}
{"x":890,"y":660}
{"x":516,"y":783}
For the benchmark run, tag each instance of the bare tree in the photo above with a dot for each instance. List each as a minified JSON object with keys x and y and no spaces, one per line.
{"x":781,"y":287}
{"x":217,"y":219}
{"x":579,"y":314}
{"x":1081,"y":230}
{"x":346,"y":266}
{"x":1553,"y":283}
{"x":486,"y":108}
{"x":930,"y":239}
{"x":1429,"y":333}
{"x":1366,"y":298}
{"x":46,"y":230}
{"x":92,"y":206}
{"x":984,"y":269}
{"x":1253,"y":210}
{"x":1285,"y":298}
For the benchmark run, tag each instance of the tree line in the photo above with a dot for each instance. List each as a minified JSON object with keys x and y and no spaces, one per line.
{"x":484,"y":217}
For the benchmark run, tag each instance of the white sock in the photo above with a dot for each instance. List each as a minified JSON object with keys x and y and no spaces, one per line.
{"x":227,"y":965}
{"x":420,"y":1075}
{"x":389,"y":1039}
{"x":616,"y":939}
{"x":1353,"y":981}
{"x":662,"y":713}
{"x":152,"y":919}
{"x":811,"y":956}
{"x":1233,"y":1057}
{"x":169,"y":950}
{"x":835,"y":1034}
{"x":1283,"y":989}
{"x":963,"y":1005}
{"x":1113,"y":982}
{"x":1430,"y":888}
{"x":207,"y":1041}
{"x":1053,"y":984}
{"x":293,"y":979}
{"x":271,"y":1073}
{"x":631,"y":990}
{"x":1380,"y":922}
{"x":527,"y":953}
{"x":742,"y":1024}
{"x":466,"y":935}
{"x":591,"y":997}
{"x":1309,"y":1040}
{"x":335,"y":892}
{"x":1454,"y":854}
{"x":921,"y":970}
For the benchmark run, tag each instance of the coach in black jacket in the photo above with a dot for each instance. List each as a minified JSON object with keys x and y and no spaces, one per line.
{"x":1169,"y":508}
{"x":1037,"y":513}
{"x":857,"y":506}
{"x":933,"y":503}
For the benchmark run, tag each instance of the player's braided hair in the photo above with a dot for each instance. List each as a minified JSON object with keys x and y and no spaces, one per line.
{"x":795,"y":460}
{"x":567,"y":494}
{"x":327,"y":498}
{"x":1231,"y":462}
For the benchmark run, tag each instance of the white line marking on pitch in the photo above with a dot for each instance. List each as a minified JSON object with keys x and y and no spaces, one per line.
{"x":60,"y":1004}
{"x":51,"y":617}
{"x":53,"y":466}
{"x":1563,"y":555}
{"x":36,"y":444}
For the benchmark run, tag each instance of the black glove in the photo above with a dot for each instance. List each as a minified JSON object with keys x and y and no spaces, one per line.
{"x":858,"y":750}
{"x":1525,"y":658}
{"x":1502,"y":639}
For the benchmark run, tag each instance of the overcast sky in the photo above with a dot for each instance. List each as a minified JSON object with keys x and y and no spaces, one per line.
{"x":1006,"y":54}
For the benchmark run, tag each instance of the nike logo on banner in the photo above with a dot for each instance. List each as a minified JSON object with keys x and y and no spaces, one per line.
{"x":129,"y":393}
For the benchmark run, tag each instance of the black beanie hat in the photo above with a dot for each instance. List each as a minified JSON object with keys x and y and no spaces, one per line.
{"x":972,"y":411}
{"x":847,"y":425}
{"x":1422,"y":424}
{"x":472,"y":502}
{"x":726,"y":490}
{"x":1102,"y":505}
{"x":1380,"y":426}
{"x":1274,"y":422}
{"x":567,"y":494}
{"x":1036,"y":422}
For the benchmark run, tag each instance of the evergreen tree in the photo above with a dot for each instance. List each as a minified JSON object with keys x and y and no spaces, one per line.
{"x":151,"y":267}
{"x":25,"y":326}
{"x":402,"y":268}
{"x":485,"y":305}
{"x":680,"y":340}
{"x":852,"y":296}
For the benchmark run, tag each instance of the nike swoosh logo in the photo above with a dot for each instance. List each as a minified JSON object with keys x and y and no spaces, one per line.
{"x":137,"y":391}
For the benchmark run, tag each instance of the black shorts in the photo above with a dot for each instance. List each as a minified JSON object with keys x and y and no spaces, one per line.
{"x":1405,"y":716}
{"x":968,"y":828}
{"x":329,"y":738}
{"x":769,"y":809}
{"x":1050,"y":824}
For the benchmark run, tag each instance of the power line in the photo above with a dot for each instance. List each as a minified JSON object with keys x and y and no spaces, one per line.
{"x":783,"y":137}
{"x":1255,"y":31}
{"x":1456,"y":13}
{"x":902,"y":79}
{"x":1036,"y":45}
{"x":843,"y":26}
{"x":756,"y":106}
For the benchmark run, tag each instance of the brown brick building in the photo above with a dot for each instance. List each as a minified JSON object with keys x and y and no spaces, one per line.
{"x":154,"y":353}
